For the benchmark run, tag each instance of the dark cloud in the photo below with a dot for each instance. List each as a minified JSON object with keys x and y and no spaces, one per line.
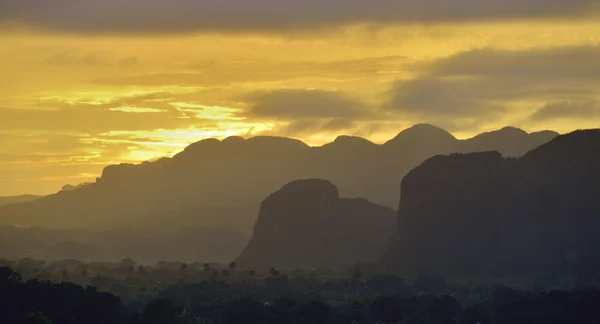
{"x":292,"y":103}
{"x":67,"y":58}
{"x":240,"y":71}
{"x":159,"y":16}
{"x":307,"y":127}
{"x":97,"y":59}
{"x":563,"y":62}
{"x":440,"y":96}
{"x":568,"y":110}
{"x":306,"y":111}
{"x":479,"y":85}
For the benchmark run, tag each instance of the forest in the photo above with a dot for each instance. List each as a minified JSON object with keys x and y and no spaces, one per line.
{"x":71,"y":291}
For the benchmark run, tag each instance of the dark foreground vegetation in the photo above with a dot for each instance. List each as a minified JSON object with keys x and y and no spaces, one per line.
{"x":74,"y":292}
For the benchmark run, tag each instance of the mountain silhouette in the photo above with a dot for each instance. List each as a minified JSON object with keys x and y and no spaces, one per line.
{"x":484,"y":214}
{"x":186,"y":245}
{"x":214,"y":183}
{"x":17,"y":199}
{"x":306,"y":224}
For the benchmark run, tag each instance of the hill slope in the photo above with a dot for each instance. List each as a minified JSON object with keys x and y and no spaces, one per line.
{"x":17,"y":199}
{"x":307,"y":225}
{"x":481,"y":213}
{"x":189,"y":245}
{"x":221,"y":183}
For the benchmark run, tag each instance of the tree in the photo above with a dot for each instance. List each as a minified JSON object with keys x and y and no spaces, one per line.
{"x":38,"y":317}
{"x":386,"y":309}
{"x":8,"y":276}
{"x":245,"y":310}
{"x":232,"y":265}
{"x":161,"y":311}
{"x":274,"y":272}
{"x":315,"y":312}
{"x":214,"y":276}
{"x":356,"y":275}
{"x":207,"y":267}
{"x":100,"y":281}
{"x":251,"y":274}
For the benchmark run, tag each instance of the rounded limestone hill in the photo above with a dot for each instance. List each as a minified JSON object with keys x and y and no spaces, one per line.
{"x":306,"y":224}
{"x":481,"y":214}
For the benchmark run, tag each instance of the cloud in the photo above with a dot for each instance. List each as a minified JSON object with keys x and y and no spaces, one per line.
{"x":568,"y":109}
{"x":128,"y":62}
{"x":294,"y":103}
{"x":305,"y":111}
{"x":227,"y":72}
{"x":474,"y":87}
{"x":143,"y":112}
{"x":561,"y":62}
{"x":68,"y":58}
{"x":43,"y":162}
{"x":78,"y":59}
{"x":159,"y":16}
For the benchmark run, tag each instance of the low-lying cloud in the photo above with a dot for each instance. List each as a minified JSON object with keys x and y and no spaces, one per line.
{"x":306,"y":111}
{"x":484,"y":84}
{"x":568,"y":109}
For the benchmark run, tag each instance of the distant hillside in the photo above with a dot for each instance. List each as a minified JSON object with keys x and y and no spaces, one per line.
{"x":17,"y":199}
{"x":482,"y":214}
{"x":221,"y":183}
{"x":307,"y":225}
{"x":189,"y":245}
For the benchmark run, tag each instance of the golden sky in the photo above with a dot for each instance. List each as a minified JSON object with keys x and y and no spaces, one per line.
{"x":85,"y":88}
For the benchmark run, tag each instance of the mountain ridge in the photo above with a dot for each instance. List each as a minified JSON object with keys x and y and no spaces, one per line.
{"x":221,"y":182}
{"x":485,"y":214}
{"x":306,"y":224}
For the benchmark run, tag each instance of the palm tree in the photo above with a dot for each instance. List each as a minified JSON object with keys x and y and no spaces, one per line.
{"x":251,"y":274}
{"x":356,"y":275}
{"x":214,"y":276}
{"x":232,"y":265}
{"x":207,"y":267}
{"x":274,"y":272}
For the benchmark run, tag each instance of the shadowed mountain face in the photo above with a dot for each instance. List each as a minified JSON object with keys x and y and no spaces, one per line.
{"x":17,"y":199}
{"x":221,"y":183}
{"x":484,"y":214}
{"x":307,"y":225}
{"x":193,"y":244}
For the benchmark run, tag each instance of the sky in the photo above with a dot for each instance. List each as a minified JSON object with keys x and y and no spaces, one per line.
{"x":88,"y":83}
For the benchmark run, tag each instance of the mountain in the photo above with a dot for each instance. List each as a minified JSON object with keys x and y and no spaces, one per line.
{"x":483,"y":214}
{"x":221,"y":183}
{"x":306,"y":224}
{"x":188,"y":245}
{"x":17,"y":199}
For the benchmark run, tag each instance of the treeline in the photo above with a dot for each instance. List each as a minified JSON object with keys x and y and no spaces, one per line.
{"x":219,"y":302}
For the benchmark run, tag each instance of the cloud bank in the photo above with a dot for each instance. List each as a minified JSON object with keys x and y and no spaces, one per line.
{"x":482,"y":84}
{"x":161,"y":16}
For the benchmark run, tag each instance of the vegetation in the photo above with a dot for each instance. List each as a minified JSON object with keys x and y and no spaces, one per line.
{"x":200,"y":293}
